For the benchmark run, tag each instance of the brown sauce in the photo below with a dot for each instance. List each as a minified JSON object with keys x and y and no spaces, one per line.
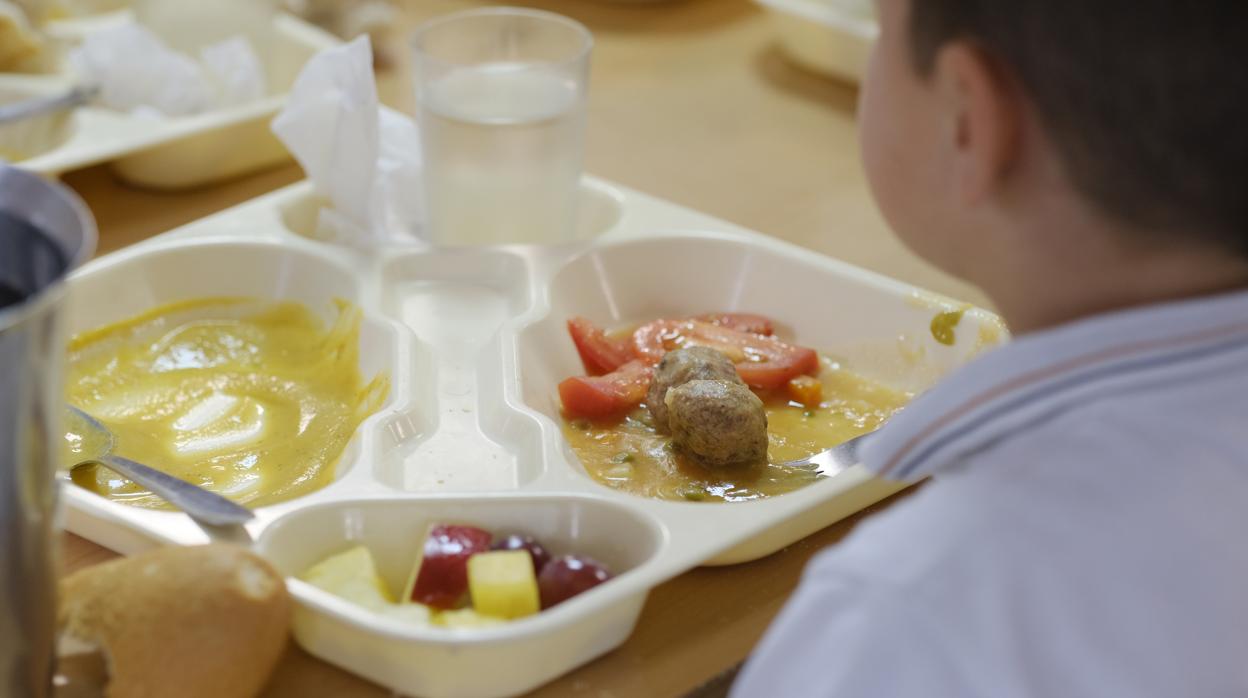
{"x":631,"y":456}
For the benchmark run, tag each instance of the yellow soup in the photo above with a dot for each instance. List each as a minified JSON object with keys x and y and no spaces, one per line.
{"x":631,"y":456}
{"x":253,"y":399}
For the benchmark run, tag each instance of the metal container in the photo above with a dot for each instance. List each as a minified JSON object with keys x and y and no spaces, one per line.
{"x":45,"y":231}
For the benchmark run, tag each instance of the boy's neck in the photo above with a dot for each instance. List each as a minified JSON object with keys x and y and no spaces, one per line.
{"x":1053,"y":286}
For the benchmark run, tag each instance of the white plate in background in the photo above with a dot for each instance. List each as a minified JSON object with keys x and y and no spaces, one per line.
{"x":164,"y":153}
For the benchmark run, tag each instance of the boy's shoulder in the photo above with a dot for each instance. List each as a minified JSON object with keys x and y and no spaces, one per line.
{"x":1125,"y":480}
{"x":1083,"y":518}
{"x":1003,"y":578}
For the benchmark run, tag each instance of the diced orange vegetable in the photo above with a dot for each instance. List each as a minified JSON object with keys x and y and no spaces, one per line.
{"x":806,"y":390}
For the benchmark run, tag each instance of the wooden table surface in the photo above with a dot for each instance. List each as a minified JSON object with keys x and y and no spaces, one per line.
{"x":691,"y":101}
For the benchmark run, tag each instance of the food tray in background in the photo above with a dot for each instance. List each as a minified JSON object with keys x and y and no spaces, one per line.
{"x":822,"y":36}
{"x":474,"y":342}
{"x":168,"y":153}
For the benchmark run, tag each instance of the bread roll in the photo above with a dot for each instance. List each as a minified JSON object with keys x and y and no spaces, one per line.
{"x":208,"y":621}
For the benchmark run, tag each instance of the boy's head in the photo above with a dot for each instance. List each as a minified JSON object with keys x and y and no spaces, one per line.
{"x":980,"y":116}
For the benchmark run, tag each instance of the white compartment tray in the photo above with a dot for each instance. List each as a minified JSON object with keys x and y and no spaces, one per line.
{"x":474,"y":343}
{"x":168,"y":153}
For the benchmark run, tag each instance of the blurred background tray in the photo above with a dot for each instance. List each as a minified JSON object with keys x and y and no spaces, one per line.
{"x":158,"y":153}
{"x":833,"y":37}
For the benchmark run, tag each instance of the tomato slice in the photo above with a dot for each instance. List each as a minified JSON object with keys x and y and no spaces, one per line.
{"x":600,"y":353}
{"x":612,"y":395}
{"x":762,"y":362}
{"x":742,"y":322}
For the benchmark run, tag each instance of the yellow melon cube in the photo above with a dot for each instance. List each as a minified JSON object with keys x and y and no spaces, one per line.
{"x":502,"y":584}
{"x":351,"y":575}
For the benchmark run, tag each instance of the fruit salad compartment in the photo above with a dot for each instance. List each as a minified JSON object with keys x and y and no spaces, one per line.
{"x":474,"y":343}
{"x":422,"y":658}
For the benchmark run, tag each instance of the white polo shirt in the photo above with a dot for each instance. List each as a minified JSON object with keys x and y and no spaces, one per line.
{"x":1085,"y":532}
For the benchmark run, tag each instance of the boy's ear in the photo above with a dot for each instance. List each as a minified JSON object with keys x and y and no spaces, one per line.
{"x":982,"y":119}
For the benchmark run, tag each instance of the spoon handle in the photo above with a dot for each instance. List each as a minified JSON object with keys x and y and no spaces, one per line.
{"x":43,"y":105}
{"x":201,"y":505}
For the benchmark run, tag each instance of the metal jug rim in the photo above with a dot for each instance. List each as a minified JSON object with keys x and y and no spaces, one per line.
{"x":56,"y":194}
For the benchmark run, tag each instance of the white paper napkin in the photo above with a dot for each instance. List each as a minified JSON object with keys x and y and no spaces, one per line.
{"x":135,"y":70}
{"x":362,"y":157}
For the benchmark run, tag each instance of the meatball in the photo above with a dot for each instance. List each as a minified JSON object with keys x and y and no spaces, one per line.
{"x":718,"y":422}
{"x":681,"y":366}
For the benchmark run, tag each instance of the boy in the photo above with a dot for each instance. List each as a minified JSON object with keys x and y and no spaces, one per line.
{"x":1085,"y":162}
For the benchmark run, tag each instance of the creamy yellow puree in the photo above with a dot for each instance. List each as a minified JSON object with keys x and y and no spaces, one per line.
{"x":631,"y":456}
{"x":253,"y":399}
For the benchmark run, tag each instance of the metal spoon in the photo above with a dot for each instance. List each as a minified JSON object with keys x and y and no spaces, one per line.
{"x":29,"y":108}
{"x":833,"y":460}
{"x":90,"y":442}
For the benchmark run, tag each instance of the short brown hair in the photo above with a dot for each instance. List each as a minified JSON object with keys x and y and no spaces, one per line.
{"x":1146,"y":100}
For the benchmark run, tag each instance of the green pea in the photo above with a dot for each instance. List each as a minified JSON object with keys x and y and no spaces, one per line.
{"x":944,"y":324}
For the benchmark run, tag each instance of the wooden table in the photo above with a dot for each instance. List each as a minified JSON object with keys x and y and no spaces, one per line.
{"x":690,"y":101}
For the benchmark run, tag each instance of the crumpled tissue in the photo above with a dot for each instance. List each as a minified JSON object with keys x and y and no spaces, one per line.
{"x":137,"y":72}
{"x":362,"y":157}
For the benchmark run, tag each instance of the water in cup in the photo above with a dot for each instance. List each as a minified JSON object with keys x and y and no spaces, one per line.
{"x":503,"y":152}
{"x":501,"y":98}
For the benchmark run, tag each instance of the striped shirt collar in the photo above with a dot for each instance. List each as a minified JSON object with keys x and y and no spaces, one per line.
{"x":1043,"y":374}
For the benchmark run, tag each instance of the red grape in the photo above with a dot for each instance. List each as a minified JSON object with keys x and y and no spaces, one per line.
{"x":567,"y":576}
{"x":515,"y":541}
{"x":443,"y":577}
